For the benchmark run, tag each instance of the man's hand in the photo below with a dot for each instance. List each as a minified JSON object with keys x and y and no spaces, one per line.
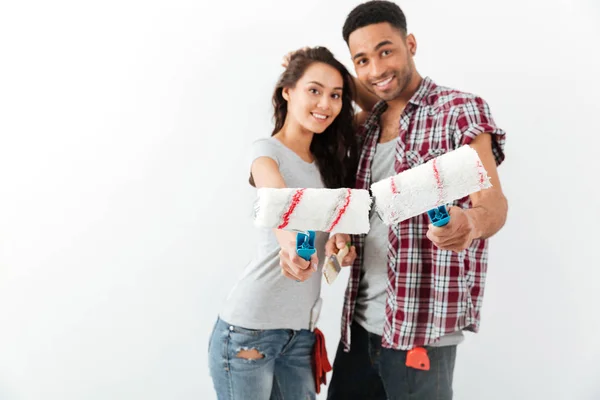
{"x":457,"y":235}
{"x":295,"y":267}
{"x":286,"y":59}
{"x":337,"y":242}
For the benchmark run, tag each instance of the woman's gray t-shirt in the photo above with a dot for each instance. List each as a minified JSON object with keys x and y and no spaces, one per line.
{"x":263,"y":298}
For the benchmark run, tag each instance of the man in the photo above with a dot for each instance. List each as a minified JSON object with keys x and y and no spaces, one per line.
{"x":411,"y":285}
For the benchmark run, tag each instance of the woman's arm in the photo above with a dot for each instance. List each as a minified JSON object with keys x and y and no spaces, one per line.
{"x":265,"y":173}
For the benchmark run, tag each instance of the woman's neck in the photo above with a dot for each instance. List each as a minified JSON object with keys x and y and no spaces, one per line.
{"x":297,"y":139}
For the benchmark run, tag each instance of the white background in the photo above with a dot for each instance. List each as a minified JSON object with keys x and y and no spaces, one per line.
{"x":124,"y":124}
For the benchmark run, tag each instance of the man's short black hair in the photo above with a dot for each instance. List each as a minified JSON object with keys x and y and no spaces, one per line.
{"x":374,"y":12}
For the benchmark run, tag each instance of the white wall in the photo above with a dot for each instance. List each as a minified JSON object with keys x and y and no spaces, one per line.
{"x":123,"y":124}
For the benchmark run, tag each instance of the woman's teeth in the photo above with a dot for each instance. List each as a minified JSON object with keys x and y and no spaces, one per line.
{"x":319,"y":116}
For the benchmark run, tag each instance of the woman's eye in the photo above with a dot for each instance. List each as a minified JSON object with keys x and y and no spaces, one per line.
{"x":336,"y":96}
{"x":313,"y":91}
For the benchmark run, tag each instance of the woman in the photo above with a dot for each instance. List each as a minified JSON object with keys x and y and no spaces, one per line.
{"x":262,"y":343}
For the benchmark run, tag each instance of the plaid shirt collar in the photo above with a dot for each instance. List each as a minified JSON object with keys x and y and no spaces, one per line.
{"x":419,"y":98}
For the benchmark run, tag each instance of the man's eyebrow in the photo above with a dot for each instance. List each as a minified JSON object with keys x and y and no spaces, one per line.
{"x":384,"y":43}
{"x":379,"y":45}
{"x":358,"y":55}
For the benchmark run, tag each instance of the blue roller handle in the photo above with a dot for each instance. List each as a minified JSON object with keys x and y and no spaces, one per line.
{"x":305,"y":244}
{"x":439,"y":216}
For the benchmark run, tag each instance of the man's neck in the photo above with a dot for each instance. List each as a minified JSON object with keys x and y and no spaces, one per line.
{"x":398,"y":104}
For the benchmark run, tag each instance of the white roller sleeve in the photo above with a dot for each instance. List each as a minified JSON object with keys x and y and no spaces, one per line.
{"x":303,"y":209}
{"x":441,"y":180}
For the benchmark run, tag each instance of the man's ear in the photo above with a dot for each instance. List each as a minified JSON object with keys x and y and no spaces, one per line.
{"x":411,"y":43}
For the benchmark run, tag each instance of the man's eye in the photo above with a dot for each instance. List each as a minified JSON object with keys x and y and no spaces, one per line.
{"x":362,"y":61}
{"x":386,"y":52}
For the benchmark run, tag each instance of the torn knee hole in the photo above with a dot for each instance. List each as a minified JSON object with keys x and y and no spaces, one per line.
{"x":250,"y":354}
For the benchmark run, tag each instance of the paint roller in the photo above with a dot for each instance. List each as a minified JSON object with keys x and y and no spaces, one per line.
{"x":306,"y":210}
{"x":425,"y":188}
{"x":429,"y":187}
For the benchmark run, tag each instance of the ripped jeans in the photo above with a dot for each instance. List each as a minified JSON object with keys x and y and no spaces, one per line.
{"x":261,"y":364}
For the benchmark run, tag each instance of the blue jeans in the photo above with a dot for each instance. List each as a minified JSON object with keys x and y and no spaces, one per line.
{"x":370,"y":371}
{"x":283,"y":372}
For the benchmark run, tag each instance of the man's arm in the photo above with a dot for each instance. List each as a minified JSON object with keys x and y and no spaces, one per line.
{"x":360,"y":118}
{"x":487,"y":214}
{"x":490,"y":206}
{"x":362,"y":97}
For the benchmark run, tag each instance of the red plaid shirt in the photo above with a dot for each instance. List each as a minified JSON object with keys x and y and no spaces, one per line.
{"x":430,"y":292}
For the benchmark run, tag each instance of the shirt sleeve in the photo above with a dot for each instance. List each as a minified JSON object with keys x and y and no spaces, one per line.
{"x":264,"y":148}
{"x":474,"y":118}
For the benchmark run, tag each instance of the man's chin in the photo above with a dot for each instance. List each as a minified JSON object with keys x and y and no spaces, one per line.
{"x":387,"y":96}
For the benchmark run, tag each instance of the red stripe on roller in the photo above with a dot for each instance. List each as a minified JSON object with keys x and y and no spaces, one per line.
{"x":480,"y":170}
{"x":393,"y":183}
{"x":288,"y":213}
{"x":394,"y":191}
{"x":342,"y":210}
{"x":438,"y":181}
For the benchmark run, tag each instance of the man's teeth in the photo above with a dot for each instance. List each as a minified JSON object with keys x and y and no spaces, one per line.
{"x":383,"y":83}
{"x":319,"y":116}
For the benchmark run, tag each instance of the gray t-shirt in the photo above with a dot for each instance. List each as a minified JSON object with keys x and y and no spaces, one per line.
{"x":263,"y":298}
{"x":370,"y":302}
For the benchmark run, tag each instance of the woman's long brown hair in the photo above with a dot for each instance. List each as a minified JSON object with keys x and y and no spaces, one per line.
{"x":335,"y":150}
